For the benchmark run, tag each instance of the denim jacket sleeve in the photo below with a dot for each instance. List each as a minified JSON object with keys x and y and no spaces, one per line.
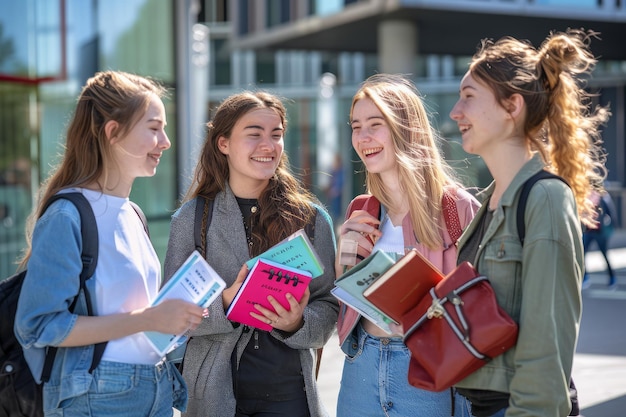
{"x":52,"y":281}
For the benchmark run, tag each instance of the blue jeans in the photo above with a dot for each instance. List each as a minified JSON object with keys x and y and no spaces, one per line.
{"x":122,"y":389}
{"x":375,"y":383}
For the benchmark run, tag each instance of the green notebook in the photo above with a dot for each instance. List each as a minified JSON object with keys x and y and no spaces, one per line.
{"x":349,"y":287}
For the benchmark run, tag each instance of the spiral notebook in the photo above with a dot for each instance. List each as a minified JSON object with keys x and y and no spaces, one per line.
{"x":267,"y":278}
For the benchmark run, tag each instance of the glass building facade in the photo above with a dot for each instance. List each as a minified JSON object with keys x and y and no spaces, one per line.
{"x":48,"y":49}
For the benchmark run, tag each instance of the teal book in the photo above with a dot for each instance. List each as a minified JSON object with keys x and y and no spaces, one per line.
{"x":349,"y":288}
{"x":195,"y":281}
{"x":295,"y":251}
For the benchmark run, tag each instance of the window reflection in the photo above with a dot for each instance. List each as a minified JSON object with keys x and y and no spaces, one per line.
{"x":31,"y":36}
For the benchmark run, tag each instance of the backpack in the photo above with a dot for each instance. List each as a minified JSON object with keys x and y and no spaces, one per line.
{"x":20,"y":395}
{"x":521,"y":232}
{"x":371,"y":204}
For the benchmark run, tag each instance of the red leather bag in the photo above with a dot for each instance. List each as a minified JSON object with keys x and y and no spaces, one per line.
{"x":456,"y":330}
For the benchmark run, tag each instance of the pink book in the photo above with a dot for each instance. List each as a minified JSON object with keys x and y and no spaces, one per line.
{"x":266,"y":278}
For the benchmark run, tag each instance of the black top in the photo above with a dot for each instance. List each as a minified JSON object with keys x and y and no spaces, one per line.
{"x":268,"y":369}
{"x":484,"y":403}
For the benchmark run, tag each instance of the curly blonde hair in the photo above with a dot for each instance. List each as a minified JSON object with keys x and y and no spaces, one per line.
{"x":560,"y":122}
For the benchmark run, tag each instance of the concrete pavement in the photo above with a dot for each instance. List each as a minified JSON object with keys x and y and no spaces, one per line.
{"x":600,"y":361}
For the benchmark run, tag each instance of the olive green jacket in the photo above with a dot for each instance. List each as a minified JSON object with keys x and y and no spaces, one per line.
{"x":539,"y":285}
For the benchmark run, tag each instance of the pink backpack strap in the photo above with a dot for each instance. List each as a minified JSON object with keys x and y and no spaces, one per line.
{"x":451,"y":216}
{"x":370,"y":204}
{"x":365,"y":202}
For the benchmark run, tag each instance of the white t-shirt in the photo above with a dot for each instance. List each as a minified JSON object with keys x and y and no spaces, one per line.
{"x":392,"y":240}
{"x":128,"y":273}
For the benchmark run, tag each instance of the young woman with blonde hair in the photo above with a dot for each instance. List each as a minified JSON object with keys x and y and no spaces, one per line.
{"x":406,"y":173}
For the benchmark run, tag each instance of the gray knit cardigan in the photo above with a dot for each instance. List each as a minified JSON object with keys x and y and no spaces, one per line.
{"x":207,"y":367}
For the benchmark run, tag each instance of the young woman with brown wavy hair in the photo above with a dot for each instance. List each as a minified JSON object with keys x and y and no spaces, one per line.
{"x":523,"y":109}
{"x":231,"y":369}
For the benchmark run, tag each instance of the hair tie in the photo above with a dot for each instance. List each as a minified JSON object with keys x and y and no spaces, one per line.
{"x":550,"y":73}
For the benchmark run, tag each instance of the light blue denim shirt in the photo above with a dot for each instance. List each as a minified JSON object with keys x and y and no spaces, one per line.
{"x":51,"y":284}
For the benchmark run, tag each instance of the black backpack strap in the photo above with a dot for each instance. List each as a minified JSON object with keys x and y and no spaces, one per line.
{"x":204,"y":207}
{"x":89,"y":256}
{"x":523,"y":199}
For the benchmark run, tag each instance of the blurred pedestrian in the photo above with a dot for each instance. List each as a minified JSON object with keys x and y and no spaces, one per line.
{"x":601,"y":232}
{"x":334,"y":193}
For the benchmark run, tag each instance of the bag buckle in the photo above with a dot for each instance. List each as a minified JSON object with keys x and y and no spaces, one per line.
{"x":435,"y":310}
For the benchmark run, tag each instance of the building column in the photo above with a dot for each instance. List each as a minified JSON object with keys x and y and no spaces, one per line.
{"x":192,"y":75}
{"x":397,"y":47}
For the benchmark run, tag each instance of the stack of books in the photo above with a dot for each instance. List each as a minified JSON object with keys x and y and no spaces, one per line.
{"x":383,"y":290}
{"x":287,"y":267}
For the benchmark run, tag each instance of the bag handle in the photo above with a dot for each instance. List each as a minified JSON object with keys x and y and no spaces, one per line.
{"x":437,"y":311}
